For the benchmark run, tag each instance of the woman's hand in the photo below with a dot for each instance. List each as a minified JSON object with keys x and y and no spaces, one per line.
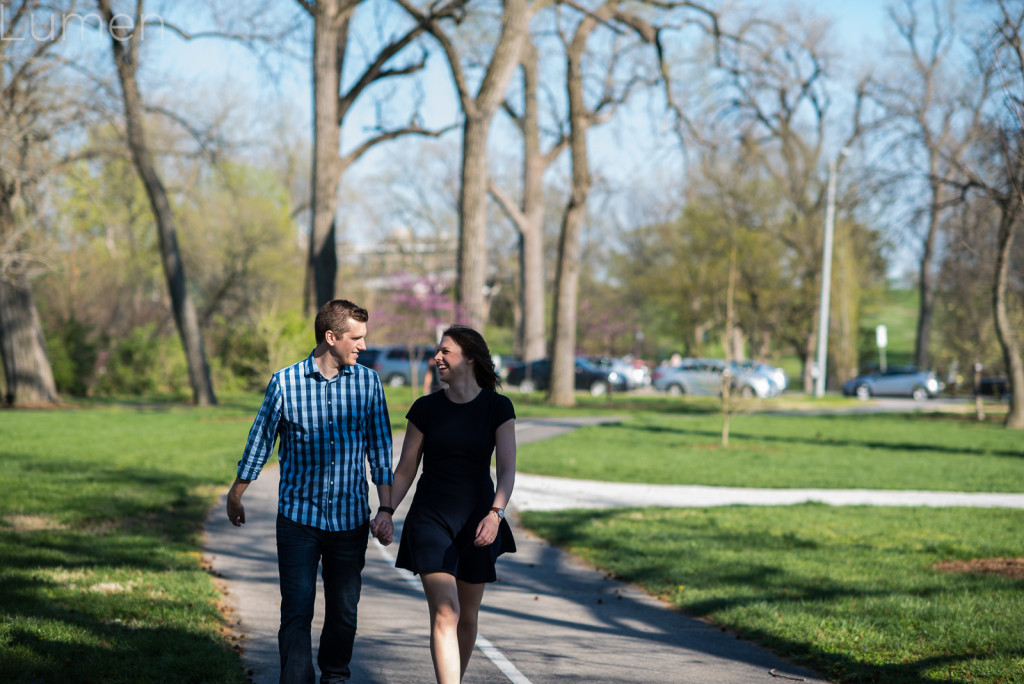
{"x":487,"y":530}
{"x":382,"y":528}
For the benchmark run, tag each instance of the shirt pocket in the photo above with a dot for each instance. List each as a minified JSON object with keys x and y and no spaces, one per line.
{"x":299,"y":437}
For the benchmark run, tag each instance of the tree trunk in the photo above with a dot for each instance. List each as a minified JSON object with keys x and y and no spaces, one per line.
{"x":329,"y":27}
{"x":534,"y":342}
{"x":563,"y":352}
{"x":126,"y":59}
{"x":23,"y":350}
{"x":926,"y":290}
{"x":528,"y":215}
{"x":478,"y":113}
{"x":1004,"y":329}
{"x":472,"y":257}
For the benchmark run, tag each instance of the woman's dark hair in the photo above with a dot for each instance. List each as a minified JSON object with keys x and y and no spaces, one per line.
{"x":474,"y":347}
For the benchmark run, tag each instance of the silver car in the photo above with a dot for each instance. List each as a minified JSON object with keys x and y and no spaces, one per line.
{"x":704,"y":376}
{"x":896,"y":381}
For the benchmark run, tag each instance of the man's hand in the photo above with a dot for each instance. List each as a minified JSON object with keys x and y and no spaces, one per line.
{"x":236,"y":511}
{"x":382,"y":528}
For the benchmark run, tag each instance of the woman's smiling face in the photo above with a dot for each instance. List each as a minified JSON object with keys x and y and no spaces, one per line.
{"x":449,"y":359}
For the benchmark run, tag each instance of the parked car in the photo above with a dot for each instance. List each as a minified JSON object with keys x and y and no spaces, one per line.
{"x":393,"y":365}
{"x":896,"y":381}
{"x":368,"y":356}
{"x":998,"y":387}
{"x":536,"y":375}
{"x":704,"y":376}
{"x":619,"y":366}
{"x":776,"y":375}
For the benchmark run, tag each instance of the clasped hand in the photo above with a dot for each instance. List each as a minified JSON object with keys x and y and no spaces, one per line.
{"x":382,"y":528}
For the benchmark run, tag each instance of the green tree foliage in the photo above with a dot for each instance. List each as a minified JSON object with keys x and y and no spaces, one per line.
{"x":676,"y":276}
{"x":143,"y":363}
{"x":73,"y":355}
{"x":106,"y":266}
{"x":239,"y":242}
{"x":107,"y":292}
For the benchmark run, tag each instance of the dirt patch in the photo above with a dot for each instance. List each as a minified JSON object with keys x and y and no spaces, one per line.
{"x":22,"y":523}
{"x":1007,"y":567}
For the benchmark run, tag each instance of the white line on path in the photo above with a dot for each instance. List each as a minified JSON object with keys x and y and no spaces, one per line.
{"x":485,"y":646}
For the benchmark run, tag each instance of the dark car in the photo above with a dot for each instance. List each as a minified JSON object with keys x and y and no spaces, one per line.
{"x":895,"y":381}
{"x":368,"y":356}
{"x":998,"y":387}
{"x":536,"y":375}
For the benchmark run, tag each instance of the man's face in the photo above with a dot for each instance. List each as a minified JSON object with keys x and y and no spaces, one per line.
{"x":346,"y":346}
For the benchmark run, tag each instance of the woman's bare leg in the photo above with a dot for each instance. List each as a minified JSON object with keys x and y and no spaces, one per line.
{"x":470,"y":596}
{"x":443,"y":603}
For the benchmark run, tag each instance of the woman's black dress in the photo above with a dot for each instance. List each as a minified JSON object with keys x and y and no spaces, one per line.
{"x":455,"y":491}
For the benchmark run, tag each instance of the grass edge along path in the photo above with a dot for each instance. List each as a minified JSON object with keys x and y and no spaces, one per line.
{"x":878,"y":451}
{"x":855,"y":593}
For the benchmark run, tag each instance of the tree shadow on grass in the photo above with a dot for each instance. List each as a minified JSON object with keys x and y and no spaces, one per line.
{"x":88,"y":593}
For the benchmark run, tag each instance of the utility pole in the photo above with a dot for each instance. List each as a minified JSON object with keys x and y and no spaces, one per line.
{"x":826,"y":278}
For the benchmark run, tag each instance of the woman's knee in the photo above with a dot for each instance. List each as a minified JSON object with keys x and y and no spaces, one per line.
{"x":447,"y":612}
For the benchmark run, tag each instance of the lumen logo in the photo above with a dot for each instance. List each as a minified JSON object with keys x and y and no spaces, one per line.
{"x":55,"y":25}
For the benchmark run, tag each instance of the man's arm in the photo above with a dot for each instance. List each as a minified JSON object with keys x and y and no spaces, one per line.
{"x":258,"y":448}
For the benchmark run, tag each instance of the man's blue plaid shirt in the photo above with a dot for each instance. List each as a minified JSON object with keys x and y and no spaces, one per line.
{"x":327,"y":428}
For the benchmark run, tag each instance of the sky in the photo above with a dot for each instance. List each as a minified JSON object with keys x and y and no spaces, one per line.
{"x":859,"y":26}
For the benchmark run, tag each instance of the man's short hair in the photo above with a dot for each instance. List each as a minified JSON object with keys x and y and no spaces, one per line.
{"x":335,"y":315}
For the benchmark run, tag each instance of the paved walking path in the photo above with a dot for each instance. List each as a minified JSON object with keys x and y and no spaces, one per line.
{"x":549,"y":618}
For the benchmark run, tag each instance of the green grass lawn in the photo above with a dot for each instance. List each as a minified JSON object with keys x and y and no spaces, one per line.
{"x":849,"y":592}
{"x":100,"y":521}
{"x":930,"y":452}
{"x":101,"y":576}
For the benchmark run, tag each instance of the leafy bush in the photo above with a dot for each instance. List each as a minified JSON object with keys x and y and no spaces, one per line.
{"x":143,"y":363}
{"x":72,"y":349}
{"x":246,"y":357}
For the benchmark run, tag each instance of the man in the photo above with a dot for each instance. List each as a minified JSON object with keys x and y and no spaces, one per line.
{"x":330,"y":415}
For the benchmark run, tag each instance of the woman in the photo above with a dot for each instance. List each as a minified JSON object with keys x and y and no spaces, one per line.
{"x":456,"y":527}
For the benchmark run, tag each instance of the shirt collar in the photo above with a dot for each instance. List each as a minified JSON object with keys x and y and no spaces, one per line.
{"x":312,"y":370}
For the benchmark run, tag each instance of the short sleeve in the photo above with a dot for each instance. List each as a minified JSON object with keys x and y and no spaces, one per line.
{"x":419,"y":413}
{"x":504,"y":411}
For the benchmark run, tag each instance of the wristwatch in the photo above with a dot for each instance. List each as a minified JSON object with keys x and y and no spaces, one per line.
{"x":499,"y":511}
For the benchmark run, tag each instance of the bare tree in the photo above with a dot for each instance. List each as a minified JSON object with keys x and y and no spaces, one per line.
{"x":332,"y":21}
{"x":636,"y":32}
{"x":478,"y":109}
{"x":935,"y":118}
{"x":126,"y":34}
{"x":999,"y":174}
{"x":779,"y":102}
{"x":528,"y":214}
{"x":35,"y":108}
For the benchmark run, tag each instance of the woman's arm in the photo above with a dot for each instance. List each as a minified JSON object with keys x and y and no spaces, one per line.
{"x":408,"y":464}
{"x":505,"y":467}
{"x":504,"y":462}
{"x":405,"y":473}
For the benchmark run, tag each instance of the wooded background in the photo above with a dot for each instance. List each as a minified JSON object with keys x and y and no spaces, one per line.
{"x":608,"y":177}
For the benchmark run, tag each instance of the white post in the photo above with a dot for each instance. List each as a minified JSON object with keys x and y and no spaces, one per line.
{"x":826,"y":281}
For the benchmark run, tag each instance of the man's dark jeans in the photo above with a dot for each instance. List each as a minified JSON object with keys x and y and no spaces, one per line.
{"x":300,"y":551}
